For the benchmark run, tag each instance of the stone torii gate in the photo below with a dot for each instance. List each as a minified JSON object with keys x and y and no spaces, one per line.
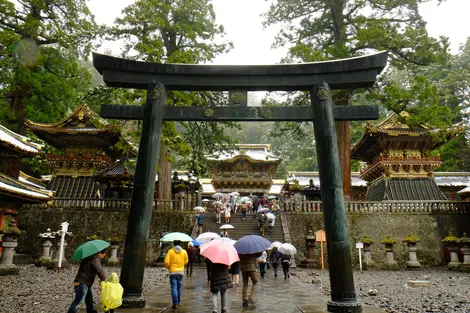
{"x":317,"y":78}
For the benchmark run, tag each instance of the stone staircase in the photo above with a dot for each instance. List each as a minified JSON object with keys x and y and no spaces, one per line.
{"x":247,"y":227}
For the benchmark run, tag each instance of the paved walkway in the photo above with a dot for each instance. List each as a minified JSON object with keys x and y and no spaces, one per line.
{"x":274,"y":295}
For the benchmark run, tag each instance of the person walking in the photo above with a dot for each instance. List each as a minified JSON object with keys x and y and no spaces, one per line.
{"x":275,"y":258}
{"x":271,"y":221}
{"x":208,"y":269}
{"x":175,"y":260}
{"x":218,"y":212}
{"x":227,"y":214}
{"x":262,"y":220}
{"x":220,"y":282}
{"x":244,"y":209}
{"x":234,"y":270}
{"x":248,"y":269}
{"x":262,"y":259}
{"x":89,"y":268}
{"x":275,"y":207}
{"x":285,"y":262}
{"x":200,"y":222}
{"x":192,"y":251}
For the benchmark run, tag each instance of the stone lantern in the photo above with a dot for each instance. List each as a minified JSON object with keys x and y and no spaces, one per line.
{"x":411,"y":242}
{"x":10,"y":242}
{"x":310,"y":244}
{"x":390,"y":263}
{"x":367,"y":243}
{"x":47,"y":240}
{"x":115,"y":242}
{"x":452,"y":244}
{"x":465,"y":249}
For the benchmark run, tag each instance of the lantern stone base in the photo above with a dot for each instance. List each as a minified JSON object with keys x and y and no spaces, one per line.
{"x":44,"y":262}
{"x":454,"y":265}
{"x":464,"y":268}
{"x":9,"y":270}
{"x":413,"y":265}
{"x":367,"y":265}
{"x":390,"y":266}
{"x":112,"y":262}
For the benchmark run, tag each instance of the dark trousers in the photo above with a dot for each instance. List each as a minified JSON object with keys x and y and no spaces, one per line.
{"x":83,"y":293}
{"x":285,"y":269}
{"x":275,"y":265}
{"x":189,"y":268}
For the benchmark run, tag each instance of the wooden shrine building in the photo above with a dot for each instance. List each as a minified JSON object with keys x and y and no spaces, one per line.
{"x":399,"y":165}
{"x":16,"y":191}
{"x":86,"y":142}
{"x":247,"y":169}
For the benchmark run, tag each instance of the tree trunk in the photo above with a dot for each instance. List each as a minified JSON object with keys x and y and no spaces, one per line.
{"x":164,"y":174}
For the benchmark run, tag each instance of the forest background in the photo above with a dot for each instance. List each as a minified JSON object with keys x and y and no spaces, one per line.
{"x":45,"y":71}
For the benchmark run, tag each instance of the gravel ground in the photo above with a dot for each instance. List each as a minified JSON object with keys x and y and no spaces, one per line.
{"x":449,"y":291}
{"x":44,"y":291}
{"x":37,"y":290}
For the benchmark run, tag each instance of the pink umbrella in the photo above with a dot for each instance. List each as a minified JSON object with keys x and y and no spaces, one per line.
{"x":220,"y":252}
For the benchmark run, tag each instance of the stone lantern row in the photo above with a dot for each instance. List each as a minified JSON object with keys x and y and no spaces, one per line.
{"x":50,"y":241}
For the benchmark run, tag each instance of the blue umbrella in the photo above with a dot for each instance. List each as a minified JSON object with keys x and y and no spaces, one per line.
{"x":197,"y":243}
{"x":251,"y":244}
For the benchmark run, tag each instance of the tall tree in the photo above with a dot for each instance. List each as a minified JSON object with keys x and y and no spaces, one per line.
{"x":41,"y":42}
{"x":175,"y":31}
{"x":320,"y":30}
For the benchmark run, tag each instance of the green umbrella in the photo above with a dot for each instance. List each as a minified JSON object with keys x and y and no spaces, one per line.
{"x":89,"y":248}
{"x":176,"y":236}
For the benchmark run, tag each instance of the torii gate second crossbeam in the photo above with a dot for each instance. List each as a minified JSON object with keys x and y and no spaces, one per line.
{"x":317,"y":78}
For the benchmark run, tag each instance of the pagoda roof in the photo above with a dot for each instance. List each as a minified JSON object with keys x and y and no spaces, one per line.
{"x":404,"y":189}
{"x":13,"y":145}
{"x":83,"y":122}
{"x":254,"y":152}
{"x":12,"y":187}
{"x":121,"y":168}
{"x":393,"y":127}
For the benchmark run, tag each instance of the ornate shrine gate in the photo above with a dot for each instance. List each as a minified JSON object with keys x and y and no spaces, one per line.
{"x":314,"y":77}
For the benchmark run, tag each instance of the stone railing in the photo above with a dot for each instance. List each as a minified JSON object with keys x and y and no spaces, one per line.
{"x":383,"y":206}
{"x":112,"y":204}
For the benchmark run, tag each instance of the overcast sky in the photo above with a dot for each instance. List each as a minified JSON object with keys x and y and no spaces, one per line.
{"x":242,"y":22}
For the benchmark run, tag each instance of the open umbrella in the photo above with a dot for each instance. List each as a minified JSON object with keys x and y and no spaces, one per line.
{"x":220,"y":252}
{"x":263,"y":209}
{"x":243,"y":199}
{"x":199,"y":209}
{"x":196,"y":243}
{"x":217,"y":203}
{"x":287,"y":249}
{"x":89,"y":248}
{"x":251,"y":244}
{"x":272,"y":197}
{"x":270,"y":216}
{"x":207,"y":236}
{"x":226,"y":226}
{"x":206,"y":200}
{"x":234,"y":194}
{"x":217,"y":195}
{"x":276,"y":244}
{"x":176,"y":236}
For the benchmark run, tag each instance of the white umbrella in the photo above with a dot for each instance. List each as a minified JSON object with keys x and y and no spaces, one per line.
{"x":261,"y":210}
{"x":207,"y":236}
{"x":235,"y":193}
{"x":226,"y":226}
{"x":271,"y":216}
{"x":217,"y":203}
{"x":176,"y":236}
{"x":217,"y":195}
{"x":287,"y":248}
{"x":206,"y":200}
{"x":244,"y":199}
{"x":199,"y":209}
{"x":276,"y":244}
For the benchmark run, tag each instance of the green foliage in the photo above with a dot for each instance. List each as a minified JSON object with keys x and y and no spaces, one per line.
{"x":411,"y":239}
{"x":175,"y":32}
{"x":93,"y":237}
{"x":450,"y":238}
{"x":388,"y":241}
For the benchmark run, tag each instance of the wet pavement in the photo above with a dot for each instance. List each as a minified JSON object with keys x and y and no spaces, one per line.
{"x":273,"y":295}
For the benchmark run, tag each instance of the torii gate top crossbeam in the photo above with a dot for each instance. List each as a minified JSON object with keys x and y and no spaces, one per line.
{"x":355,"y":72}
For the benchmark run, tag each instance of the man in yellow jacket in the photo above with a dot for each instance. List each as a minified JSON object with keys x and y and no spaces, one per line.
{"x":175,"y":260}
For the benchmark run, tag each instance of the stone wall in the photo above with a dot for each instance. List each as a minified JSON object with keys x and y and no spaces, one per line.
{"x":86,"y":222}
{"x":430,"y":228}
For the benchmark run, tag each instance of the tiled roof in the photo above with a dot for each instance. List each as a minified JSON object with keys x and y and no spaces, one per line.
{"x":304,"y":178}
{"x":70,"y":187}
{"x":258,"y":152}
{"x":17,"y":142}
{"x":452,"y":179}
{"x":465,"y":190}
{"x":123,"y":167}
{"x":404,"y":189}
{"x":15,"y":188}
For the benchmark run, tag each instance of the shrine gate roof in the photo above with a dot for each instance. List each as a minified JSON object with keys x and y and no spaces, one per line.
{"x":13,"y":145}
